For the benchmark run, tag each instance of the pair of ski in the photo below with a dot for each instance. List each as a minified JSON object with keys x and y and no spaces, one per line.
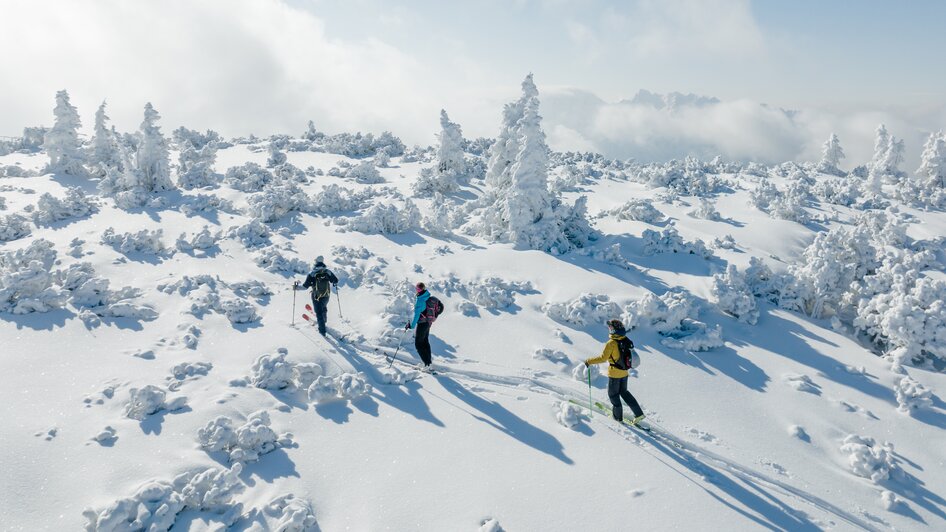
{"x":605,"y":411}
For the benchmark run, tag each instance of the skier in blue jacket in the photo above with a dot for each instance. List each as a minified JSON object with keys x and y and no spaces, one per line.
{"x":423,"y":319}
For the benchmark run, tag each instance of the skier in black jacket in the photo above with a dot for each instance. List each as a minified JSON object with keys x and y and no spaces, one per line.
{"x":320,"y":279}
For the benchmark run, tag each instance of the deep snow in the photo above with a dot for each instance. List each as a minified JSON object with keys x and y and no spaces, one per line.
{"x":193,"y":390}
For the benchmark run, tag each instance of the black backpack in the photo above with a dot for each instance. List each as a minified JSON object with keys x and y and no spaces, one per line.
{"x":433,"y":310}
{"x":626,"y":357}
{"x":322,"y":283}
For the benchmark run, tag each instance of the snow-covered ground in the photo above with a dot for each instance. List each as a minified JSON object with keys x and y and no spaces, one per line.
{"x":153,"y":369}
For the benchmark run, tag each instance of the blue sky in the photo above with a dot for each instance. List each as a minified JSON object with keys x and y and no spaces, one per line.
{"x":268,"y":66}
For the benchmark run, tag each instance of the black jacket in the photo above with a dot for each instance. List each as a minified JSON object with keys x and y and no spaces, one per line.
{"x":319,"y":267}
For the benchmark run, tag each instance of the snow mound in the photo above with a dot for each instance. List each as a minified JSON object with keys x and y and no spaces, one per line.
{"x":272,"y":372}
{"x":638,"y":210}
{"x":554,"y":355}
{"x":244,"y":443}
{"x":868,"y":459}
{"x":144,"y":241}
{"x":580,"y":372}
{"x":609,"y":255}
{"x":286,"y":513}
{"x":187,"y":370}
{"x":911,"y":395}
{"x":669,"y":241}
{"x":490,"y":525}
{"x":567,"y":414}
{"x":695,"y":336}
{"x":156,"y":505}
{"x":143,"y":402}
{"x":583,"y":310}
{"x":347,"y":386}
{"x":396,"y":376}
{"x":802,"y":383}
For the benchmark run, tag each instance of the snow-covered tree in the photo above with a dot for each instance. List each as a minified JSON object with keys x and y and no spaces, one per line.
{"x":62,"y":141}
{"x":831,"y":155}
{"x":153,"y":158}
{"x":504,"y":150}
{"x":892,"y":160}
{"x":450,"y":156}
{"x":881,"y":145}
{"x":928,"y":186}
{"x":104,"y":152}
{"x":518,"y":206}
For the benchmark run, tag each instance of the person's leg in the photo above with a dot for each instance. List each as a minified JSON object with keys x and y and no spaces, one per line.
{"x":614,"y":394}
{"x":422,"y":342}
{"x":629,"y":399}
{"x":321,"y":312}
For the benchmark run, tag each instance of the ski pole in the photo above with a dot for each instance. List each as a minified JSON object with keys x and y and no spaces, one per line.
{"x":294,"y":285}
{"x":401,"y":341}
{"x":338,"y":300}
{"x":590,"y":410}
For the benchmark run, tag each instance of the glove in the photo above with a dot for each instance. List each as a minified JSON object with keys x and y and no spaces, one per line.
{"x":295,"y":285}
{"x":586,"y":365}
{"x":408,"y":326}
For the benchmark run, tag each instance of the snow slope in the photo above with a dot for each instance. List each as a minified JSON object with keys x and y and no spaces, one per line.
{"x":782,"y":427}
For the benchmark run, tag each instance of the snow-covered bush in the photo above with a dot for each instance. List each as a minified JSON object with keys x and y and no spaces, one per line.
{"x":669,"y":240}
{"x":183,"y":137}
{"x":386,"y":218}
{"x":870,"y":460}
{"x":443,"y":217}
{"x":911,"y":395}
{"x":95,"y":298}
{"x":202,"y":240}
{"x":185,"y":370}
{"x":909,"y":319}
{"x":62,"y":140}
{"x":305,"y":373}
{"x":359,"y":146}
{"x":157,"y":503}
{"x":706,"y":211}
{"x":694,"y":336}
{"x":276,"y":157}
{"x":205,"y":203}
{"x":609,"y":255}
{"x":322,"y":390}
{"x":250,"y":177}
{"x":567,"y":414}
{"x":244,"y":443}
{"x":286,"y":513}
{"x":351,"y":386}
{"x":276,"y":201}
{"x":733,"y":295}
{"x":638,"y":209}
{"x":272,"y":371}
{"x":195,"y":167}
{"x":829,"y":267}
{"x":253,"y":234}
{"x":144,"y":241}
{"x":365,"y":173}
{"x":664,"y":314}
{"x":583,"y":310}
{"x":238,"y":311}
{"x":50,"y":209}
{"x":553,"y":355}
{"x":142,"y":402}
{"x":272,"y":259}
{"x":13,"y":227}
{"x":491,"y":293}
{"x":26,"y":281}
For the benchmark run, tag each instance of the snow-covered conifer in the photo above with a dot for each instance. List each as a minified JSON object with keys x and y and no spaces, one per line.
{"x":831,"y":155}
{"x":62,"y":141}
{"x":928,"y":187}
{"x":154,"y":169}
{"x":881,"y":145}
{"x":504,"y":150}
{"x":104,"y":152}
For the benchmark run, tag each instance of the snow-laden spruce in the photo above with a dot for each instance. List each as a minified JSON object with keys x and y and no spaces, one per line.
{"x":103,"y":154}
{"x":927,"y":188}
{"x":62,"y":140}
{"x":518,"y":206}
{"x":451,"y":168}
{"x":831,"y":155}
{"x":153,"y":158}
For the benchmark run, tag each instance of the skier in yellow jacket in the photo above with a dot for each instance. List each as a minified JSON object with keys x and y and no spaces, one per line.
{"x":617,"y":353}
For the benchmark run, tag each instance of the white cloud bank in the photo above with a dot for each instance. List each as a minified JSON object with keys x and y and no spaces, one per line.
{"x":262,"y":66}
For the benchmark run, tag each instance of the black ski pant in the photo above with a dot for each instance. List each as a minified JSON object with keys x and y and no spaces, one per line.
{"x":422,"y":342}
{"x":617,"y":390}
{"x":320,"y":305}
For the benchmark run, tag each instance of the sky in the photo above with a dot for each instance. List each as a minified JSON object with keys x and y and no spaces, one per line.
{"x":787,"y":74}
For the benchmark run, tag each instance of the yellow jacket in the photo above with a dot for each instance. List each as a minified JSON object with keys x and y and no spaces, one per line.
{"x":610,"y":354}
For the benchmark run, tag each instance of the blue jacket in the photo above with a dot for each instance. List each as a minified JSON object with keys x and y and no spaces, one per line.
{"x":419,"y":306}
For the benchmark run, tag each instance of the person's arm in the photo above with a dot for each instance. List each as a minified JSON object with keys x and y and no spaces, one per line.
{"x":332,"y":278}
{"x":606,"y":354}
{"x":419,"y":306}
{"x":308,"y":281}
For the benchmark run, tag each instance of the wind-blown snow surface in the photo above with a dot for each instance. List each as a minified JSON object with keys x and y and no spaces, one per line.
{"x":240,"y":418}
